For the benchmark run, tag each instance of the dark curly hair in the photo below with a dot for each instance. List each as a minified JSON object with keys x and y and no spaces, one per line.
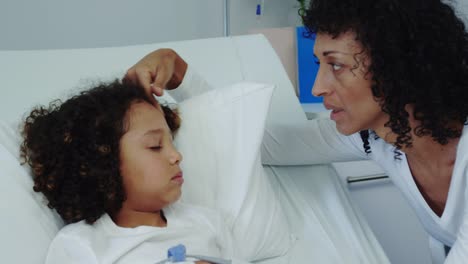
{"x":73,"y":149}
{"x":419,"y":56}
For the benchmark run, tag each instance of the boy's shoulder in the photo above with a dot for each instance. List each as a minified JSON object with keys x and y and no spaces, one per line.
{"x":76,"y":228}
{"x":80,"y":230}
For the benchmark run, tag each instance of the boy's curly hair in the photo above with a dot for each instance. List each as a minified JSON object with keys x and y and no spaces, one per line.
{"x":419,"y":56}
{"x":73,"y":149}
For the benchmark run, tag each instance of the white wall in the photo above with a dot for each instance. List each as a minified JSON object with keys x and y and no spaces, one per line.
{"x":46,"y":24}
{"x":28,"y":24}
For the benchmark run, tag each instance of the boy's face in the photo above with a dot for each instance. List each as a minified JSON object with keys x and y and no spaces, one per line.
{"x":149,"y":162}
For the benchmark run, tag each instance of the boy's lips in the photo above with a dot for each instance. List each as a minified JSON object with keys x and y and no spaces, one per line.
{"x":178,"y":178}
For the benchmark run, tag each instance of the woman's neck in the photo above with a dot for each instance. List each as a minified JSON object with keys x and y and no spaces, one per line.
{"x":423,"y":149}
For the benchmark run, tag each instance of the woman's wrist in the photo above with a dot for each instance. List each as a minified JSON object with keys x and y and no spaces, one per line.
{"x":180,"y":68}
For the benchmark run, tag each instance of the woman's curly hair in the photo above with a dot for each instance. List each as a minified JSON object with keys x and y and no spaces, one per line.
{"x":419,"y":56}
{"x":73,"y":149}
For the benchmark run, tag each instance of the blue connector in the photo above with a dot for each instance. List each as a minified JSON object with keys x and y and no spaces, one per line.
{"x":176,"y":253}
{"x":258,"y":12}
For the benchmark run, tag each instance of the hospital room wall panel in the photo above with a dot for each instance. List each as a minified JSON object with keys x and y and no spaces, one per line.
{"x":51,"y":24}
{"x":276,"y":13}
{"x":60,"y":24}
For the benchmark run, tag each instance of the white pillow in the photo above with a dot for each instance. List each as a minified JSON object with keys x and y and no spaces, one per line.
{"x":220,"y":139}
{"x":28,"y":225}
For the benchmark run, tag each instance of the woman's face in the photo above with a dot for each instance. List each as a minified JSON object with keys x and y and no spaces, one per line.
{"x":149,"y":161}
{"x":345,"y":84}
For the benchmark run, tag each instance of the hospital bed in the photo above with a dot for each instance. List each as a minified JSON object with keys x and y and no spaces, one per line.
{"x":327,"y":226}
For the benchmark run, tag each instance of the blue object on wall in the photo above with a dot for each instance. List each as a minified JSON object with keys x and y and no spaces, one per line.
{"x":306,"y":66}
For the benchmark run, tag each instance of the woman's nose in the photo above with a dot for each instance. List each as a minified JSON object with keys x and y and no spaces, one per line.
{"x":320,"y":87}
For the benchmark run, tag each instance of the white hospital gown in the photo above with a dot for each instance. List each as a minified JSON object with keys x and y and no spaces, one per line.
{"x":201,"y":230}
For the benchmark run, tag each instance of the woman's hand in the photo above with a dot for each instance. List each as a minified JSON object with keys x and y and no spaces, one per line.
{"x":161,"y":69}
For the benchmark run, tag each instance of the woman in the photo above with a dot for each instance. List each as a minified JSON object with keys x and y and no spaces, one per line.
{"x":394,"y":73}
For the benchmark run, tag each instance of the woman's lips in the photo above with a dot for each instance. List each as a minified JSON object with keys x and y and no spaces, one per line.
{"x":335,"y":114}
{"x":335,"y":111}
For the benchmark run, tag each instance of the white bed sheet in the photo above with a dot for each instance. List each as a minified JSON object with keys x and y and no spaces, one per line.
{"x":328,"y":227}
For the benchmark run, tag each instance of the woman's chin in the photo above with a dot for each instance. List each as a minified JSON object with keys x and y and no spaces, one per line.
{"x":344,"y":129}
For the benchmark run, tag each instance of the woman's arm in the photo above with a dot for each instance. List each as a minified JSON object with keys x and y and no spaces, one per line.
{"x":193,"y":84}
{"x":309,"y":142}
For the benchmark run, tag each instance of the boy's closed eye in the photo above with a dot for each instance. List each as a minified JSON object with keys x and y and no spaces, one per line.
{"x":156,"y":148}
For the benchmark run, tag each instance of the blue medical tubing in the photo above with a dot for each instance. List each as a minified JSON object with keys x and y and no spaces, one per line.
{"x":178,"y":254}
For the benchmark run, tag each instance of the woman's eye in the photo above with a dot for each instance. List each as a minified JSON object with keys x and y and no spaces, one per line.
{"x":336,"y":67}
